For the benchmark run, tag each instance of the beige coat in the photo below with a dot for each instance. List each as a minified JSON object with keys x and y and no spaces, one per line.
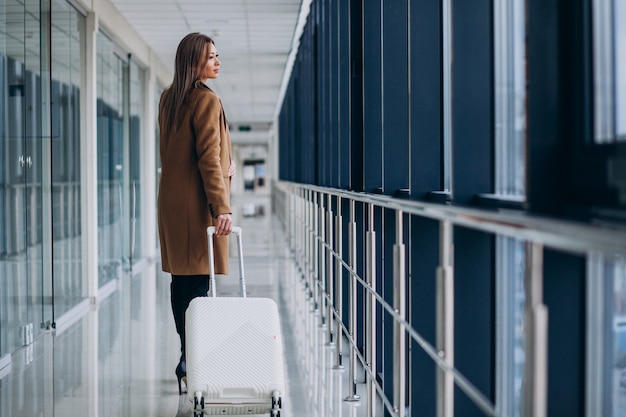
{"x":194,"y":186}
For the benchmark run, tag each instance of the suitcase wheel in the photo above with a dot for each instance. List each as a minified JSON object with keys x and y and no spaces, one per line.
{"x":198,"y":405}
{"x":277,"y":404}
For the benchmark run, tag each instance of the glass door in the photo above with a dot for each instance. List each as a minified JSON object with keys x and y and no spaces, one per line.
{"x":113,"y":196}
{"x":21,"y":176}
{"x":66,"y":72}
{"x":36,"y":162}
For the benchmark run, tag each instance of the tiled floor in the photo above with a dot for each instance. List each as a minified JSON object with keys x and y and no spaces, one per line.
{"x":118,"y":358}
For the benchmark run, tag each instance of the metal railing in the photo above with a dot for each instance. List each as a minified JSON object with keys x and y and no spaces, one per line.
{"x":315,"y":234}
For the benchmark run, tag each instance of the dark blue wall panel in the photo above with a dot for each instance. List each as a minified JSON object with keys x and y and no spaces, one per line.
{"x":426,"y":97}
{"x":472,"y":99}
{"x":395,"y":96}
{"x":372,"y":97}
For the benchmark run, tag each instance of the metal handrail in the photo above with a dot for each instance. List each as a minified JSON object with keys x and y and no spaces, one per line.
{"x":539,"y":232}
{"x":568,"y":236}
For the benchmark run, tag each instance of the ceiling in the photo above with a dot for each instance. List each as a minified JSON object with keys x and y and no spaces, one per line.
{"x":254,"y":39}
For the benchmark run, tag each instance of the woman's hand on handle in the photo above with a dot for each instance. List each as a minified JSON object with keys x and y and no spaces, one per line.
{"x":223,"y":225}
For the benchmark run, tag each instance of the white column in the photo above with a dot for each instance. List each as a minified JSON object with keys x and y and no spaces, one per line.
{"x":148,"y":152}
{"x":89,"y":151}
{"x":273,"y":159}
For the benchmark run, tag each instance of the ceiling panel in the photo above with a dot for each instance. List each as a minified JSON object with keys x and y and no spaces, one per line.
{"x":253,"y":38}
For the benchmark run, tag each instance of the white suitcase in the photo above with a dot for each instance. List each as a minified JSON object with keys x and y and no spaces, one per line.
{"x":234,"y":351}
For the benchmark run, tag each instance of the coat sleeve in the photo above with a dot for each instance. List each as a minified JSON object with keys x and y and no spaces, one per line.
{"x":206,"y":125}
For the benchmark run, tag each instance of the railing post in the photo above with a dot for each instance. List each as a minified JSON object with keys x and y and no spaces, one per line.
{"x":310,"y":228}
{"x":370,"y":309}
{"x":399,"y":296}
{"x":321,"y":277}
{"x":445,"y":320}
{"x":352,"y":395}
{"x":291,"y":221}
{"x":536,"y":335}
{"x":306,"y":228}
{"x":339,"y":286}
{"x":330,"y":221}
{"x":302,"y":234}
{"x":297,"y":228}
{"x":315,"y":246}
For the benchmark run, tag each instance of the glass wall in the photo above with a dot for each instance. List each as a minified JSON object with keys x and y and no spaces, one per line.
{"x":510,"y":97}
{"x":510,"y":305}
{"x":510,"y":133}
{"x":112,"y":90}
{"x":615,"y":271}
{"x":606,"y":343}
{"x":23,"y":140}
{"x":40,"y":170}
{"x":619,"y":17}
{"x":42,"y":64}
{"x":418,"y":128}
{"x":68,"y":26}
{"x":447,"y":94}
{"x":609,"y":70}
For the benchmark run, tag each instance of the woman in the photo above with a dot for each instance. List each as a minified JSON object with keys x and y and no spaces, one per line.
{"x":196,"y":168}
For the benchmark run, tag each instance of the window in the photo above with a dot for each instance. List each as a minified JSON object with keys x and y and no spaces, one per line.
{"x":112,"y":156}
{"x":510,"y":307}
{"x":447,"y":95}
{"x":510,"y":160}
{"x":609,"y":66}
{"x":510,"y":111}
{"x":620,"y":68}
{"x":66,"y":72}
{"x":606,"y":335}
{"x":616,"y":272}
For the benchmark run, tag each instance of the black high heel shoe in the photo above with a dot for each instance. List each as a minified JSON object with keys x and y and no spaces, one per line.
{"x":181,"y":374}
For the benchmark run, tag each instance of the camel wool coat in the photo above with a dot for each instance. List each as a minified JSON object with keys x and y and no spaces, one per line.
{"x":194,"y":187}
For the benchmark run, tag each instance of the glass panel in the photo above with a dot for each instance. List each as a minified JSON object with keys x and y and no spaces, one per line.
{"x":67,"y":67}
{"x":21,"y":139}
{"x":135,"y":145}
{"x":13,"y":279}
{"x":37,"y":141}
{"x":609,"y":66}
{"x":606,"y":336}
{"x":510,"y":305}
{"x":110,"y":124}
{"x":602,"y":68}
{"x":447,"y":95}
{"x":510,"y":79}
{"x":620,"y":68}
{"x":5,"y":186}
{"x":615,"y":272}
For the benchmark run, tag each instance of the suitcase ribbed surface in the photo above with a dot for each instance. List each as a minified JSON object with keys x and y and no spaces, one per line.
{"x":234,"y":350}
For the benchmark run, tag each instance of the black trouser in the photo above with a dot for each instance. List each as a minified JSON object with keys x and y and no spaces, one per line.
{"x":183,"y":289}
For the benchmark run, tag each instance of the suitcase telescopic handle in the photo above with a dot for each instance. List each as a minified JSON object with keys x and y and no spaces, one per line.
{"x":210,"y":231}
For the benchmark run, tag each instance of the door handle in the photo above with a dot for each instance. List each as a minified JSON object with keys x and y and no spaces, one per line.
{"x":29,"y":161}
{"x":20,"y":160}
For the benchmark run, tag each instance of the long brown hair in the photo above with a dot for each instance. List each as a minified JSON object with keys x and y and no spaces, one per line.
{"x":191,"y":57}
